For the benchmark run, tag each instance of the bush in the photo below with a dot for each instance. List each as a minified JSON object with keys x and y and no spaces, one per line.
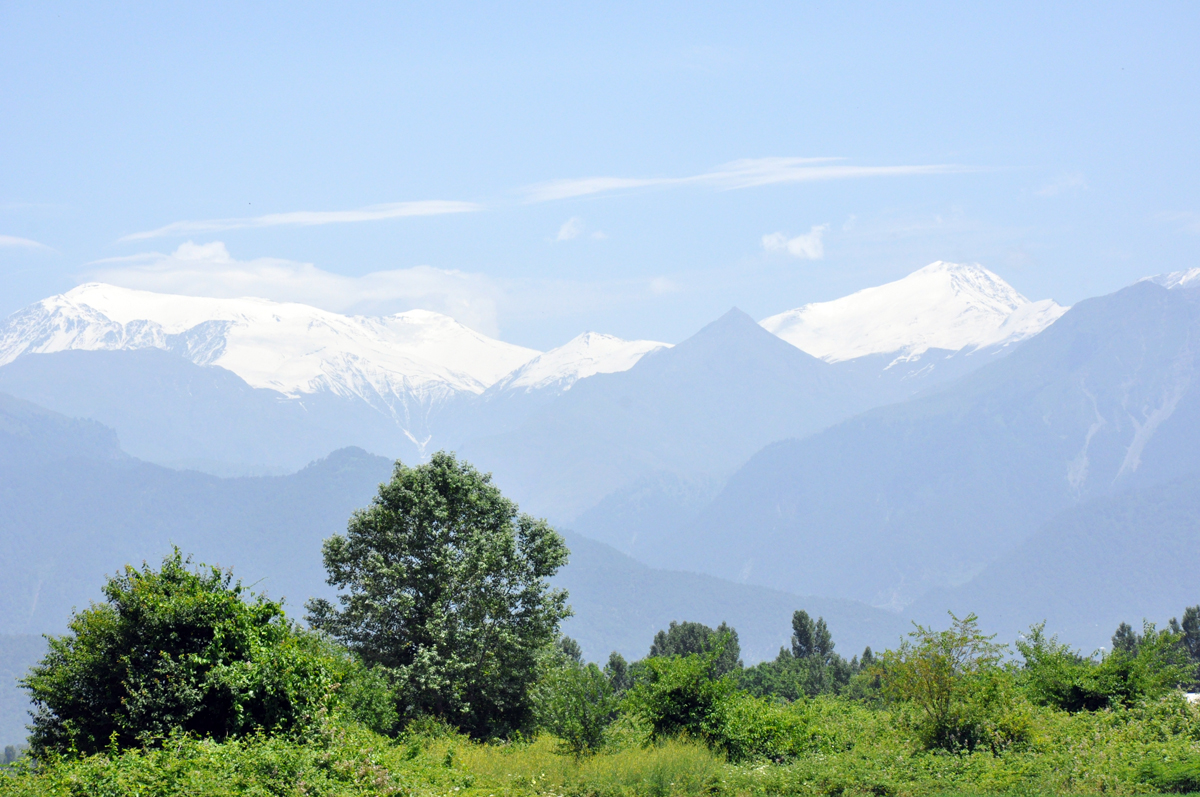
{"x":958,"y":696}
{"x":1174,"y":777}
{"x":1143,"y":667}
{"x":576,"y":703}
{"x":678,"y":696}
{"x":177,"y":650}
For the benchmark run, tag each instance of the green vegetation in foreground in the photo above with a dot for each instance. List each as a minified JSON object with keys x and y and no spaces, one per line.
{"x":848,"y":748}
{"x":441,"y":671}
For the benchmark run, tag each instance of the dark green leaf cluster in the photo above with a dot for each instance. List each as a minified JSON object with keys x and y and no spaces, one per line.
{"x":177,"y":650}
{"x":443,"y":586}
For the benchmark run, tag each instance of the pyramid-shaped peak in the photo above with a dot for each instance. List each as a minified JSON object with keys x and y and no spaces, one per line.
{"x":944,"y":305}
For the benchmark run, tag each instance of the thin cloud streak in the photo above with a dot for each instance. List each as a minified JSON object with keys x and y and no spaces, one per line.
{"x":307,"y":218}
{"x":13,"y":242}
{"x":745,"y":173}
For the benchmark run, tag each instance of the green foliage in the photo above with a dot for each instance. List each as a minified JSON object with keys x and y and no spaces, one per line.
{"x":679,"y":696}
{"x":809,"y":668}
{"x":177,"y":650}
{"x":444,"y":585}
{"x":1177,"y":777}
{"x":617,"y":670}
{"x":811,"y":640}
{"x":1141,"y":667}
{"x":830,"y":746}
{"x":958,"y":696}
{"x":688,"y":638}
{"x":576,"y":703}
{"x":1189,"y":639}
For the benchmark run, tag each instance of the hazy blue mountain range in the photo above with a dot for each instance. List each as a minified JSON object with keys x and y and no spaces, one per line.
{"x":170,"y":411}
{"x":1121,"y":558}
{"x":698,"y":409}
{"x":924,"y":494}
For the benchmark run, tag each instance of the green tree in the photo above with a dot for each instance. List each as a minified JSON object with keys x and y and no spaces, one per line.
{"x":576,"y":702}
{"x":953,"y":682}
{"x":617,"y":670}
{"x":1189,"y":638}
{"x":688,"y":638}
{"x":811,"y":640}
{"x":444,"y":584}
{"x":810,"y":667}
{"x":1125,"y":640}
{"x":177,"y":650}
{"x":1144,"y":666}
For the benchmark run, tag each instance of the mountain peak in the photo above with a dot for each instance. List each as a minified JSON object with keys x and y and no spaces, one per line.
{"x":288,"y":347}
{"x":944,"y":305}
{"x":584,"y":355}
{"x":1177,"y":279}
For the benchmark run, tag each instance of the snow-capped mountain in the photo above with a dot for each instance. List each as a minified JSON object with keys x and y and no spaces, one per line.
{"x":290,"y":348}
{"x":1178,"y":279}
{"x":583,"y":356}
{"x":947,"y":306}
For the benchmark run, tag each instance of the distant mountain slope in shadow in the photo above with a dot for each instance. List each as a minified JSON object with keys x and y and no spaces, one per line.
{"x":924,"y":494}
{"x":1114,"y":559}
{"x":700,"y":407}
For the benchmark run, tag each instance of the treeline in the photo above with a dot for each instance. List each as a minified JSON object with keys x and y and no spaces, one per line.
{"x":445,"y":619}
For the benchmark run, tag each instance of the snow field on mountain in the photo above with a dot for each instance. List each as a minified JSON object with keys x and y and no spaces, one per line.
{"x":583,"y":356}
{"x":942,"y":306}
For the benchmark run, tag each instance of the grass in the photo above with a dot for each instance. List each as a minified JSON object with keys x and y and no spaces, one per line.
{"x":849,"y":748}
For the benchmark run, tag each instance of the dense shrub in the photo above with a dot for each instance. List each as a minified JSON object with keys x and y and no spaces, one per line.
{"x":1141,"y":667}
{"x":576,"y":703}
{"x":678,"y":696}
{"x":954,"y":690}
{"x":181,"y":650}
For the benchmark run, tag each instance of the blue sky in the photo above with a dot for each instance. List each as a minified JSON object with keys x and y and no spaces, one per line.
{"x":538,"y":170}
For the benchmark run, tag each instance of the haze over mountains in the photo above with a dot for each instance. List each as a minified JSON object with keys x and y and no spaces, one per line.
{"x":292,"y":382}
{"x":885,"y":448}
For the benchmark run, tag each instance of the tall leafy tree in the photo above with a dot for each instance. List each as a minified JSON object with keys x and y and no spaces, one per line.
{"x":811,"y":640}
{"x":444,"y":583}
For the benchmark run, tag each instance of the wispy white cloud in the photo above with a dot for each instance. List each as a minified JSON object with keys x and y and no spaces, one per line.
{"x":806,"y":247}
{"x":13,"y":242}
{"x":570,"y":229}
{"x":1063,"y":184}
{"x":210,"y":270}
{"x":308,"y":218}
{"x":746,"y":173}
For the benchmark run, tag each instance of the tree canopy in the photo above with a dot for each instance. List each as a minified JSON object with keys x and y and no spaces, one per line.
{"x":444,"y":583}
{"x":176,"y":650}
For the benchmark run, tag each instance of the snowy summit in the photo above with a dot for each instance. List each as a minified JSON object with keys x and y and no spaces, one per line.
{"x":941,"y":306}
{"x":290,"y":348}
{"x":585,"y":355}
